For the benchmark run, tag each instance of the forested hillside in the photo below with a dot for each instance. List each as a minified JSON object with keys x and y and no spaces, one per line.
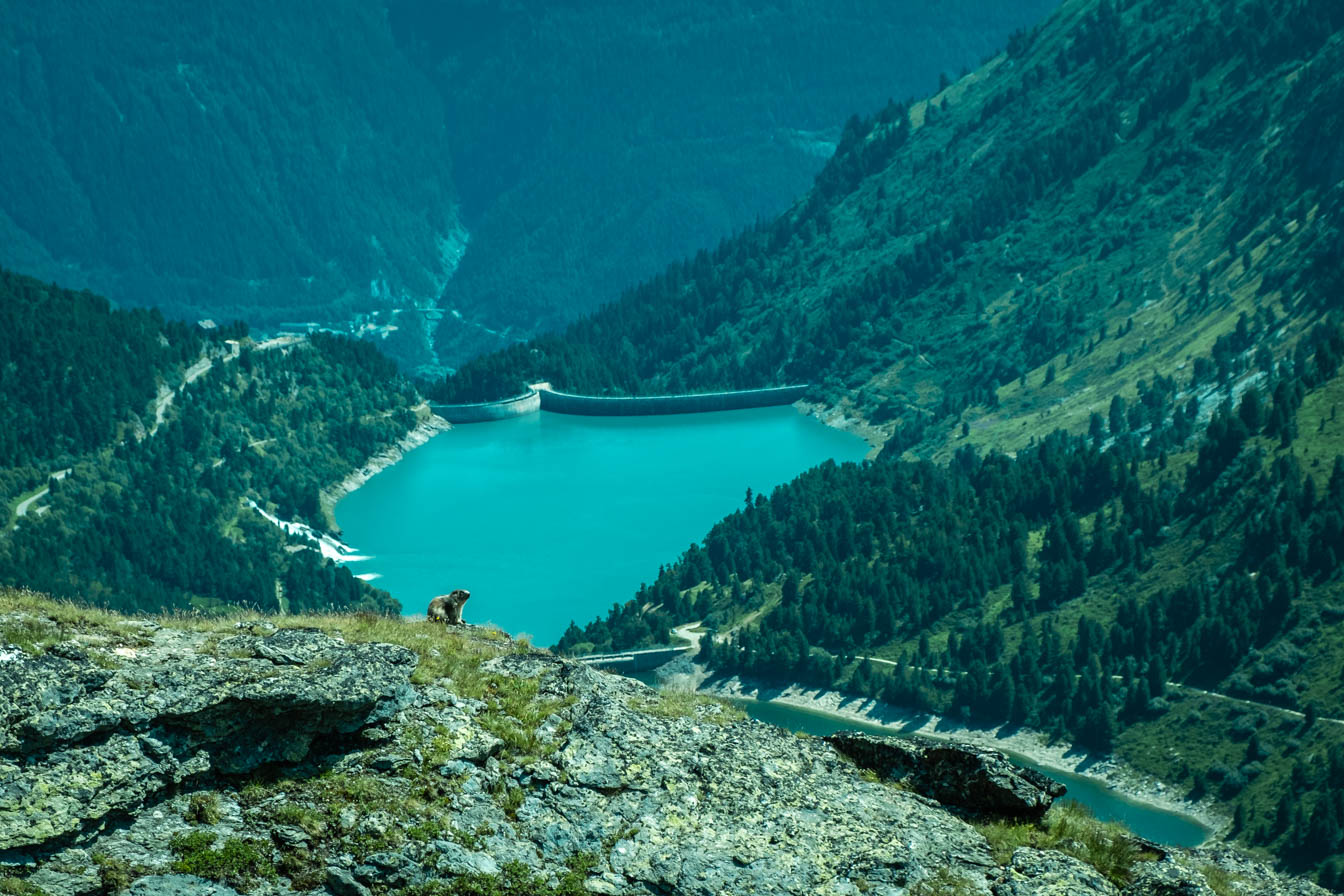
{"x":136,"y":446}
{"x":273,"y":161}
{"x":71,"y":371}
{"x":1102,"y":201}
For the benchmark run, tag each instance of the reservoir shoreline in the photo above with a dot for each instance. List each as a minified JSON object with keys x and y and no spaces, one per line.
{"x":1061,"y":757}
{"x":430,"y":425}
{"x":1105,"y":769}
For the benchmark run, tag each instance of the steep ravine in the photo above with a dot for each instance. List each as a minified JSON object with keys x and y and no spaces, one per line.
{"x":154,"y":754}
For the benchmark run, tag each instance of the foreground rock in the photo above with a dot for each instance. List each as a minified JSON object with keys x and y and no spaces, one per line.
{"x":80,"y":743}
{"x":272,"y":761}
{"x":963,"y":776}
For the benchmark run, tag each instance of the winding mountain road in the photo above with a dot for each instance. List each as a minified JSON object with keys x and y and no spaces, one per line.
{"x":164,"y":399}
{"x":26,"y":504}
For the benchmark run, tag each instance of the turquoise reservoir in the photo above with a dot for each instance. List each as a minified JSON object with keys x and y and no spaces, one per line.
{"x":550,"y":518}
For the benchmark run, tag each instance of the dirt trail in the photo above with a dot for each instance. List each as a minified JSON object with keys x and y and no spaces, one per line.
{"x":164,"y":399}
{"x":1254,"y":704}
{"x":22,"y":509}
{"x":686,"y":634}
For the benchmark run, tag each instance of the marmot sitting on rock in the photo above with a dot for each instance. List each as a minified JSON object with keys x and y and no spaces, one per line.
{"x":447,"y":608}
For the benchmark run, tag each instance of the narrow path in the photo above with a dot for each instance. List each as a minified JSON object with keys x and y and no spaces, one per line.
{"x":22,"y":509}
{"x":203,"y":364}
{"x":686,"y":634}
{"x":1254,"y":704}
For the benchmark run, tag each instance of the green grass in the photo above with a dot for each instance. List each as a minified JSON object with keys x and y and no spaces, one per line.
{"x":687,"y":704}
{"x":944,"y":883}
{"x":238,"y":862}
{"x":1071,"y":829}
{"x":306,"y":818}
{"x":1221,"y":881}
{"x":515,"y":879}
{"x":54,"y":620}
{"x":17,"y":886}
{"x":305,"y":869}
{"x":30,"y":635}
{"x":114,"y":875}
{"x":203,"y":808}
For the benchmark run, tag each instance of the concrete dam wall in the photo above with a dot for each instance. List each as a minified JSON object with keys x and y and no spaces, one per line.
{"x":543,"y":398}
{"x":602,"y":406}
{"x":634,"y":660}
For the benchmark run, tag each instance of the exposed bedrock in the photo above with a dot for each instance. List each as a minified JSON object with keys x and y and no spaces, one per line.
{"x":962,"y":776}
{"x":79,"y":742}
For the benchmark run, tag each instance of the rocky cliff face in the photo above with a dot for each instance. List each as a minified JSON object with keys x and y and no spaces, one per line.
{"x":157,"y":757}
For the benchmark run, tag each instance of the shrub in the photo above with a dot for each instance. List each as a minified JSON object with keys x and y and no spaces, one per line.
{"x":14,"y":886}
{"x":114,"y":875}
{"x":305,"y":869}
{"x":1071,"y":829}
{"x":239,"y":863}
{"x":203,"y":808}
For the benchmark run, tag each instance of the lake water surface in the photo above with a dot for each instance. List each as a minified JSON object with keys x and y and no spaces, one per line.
{"x":550,"y":518}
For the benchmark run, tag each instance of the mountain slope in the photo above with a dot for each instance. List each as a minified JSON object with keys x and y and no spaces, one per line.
{"x":1095,"y":279}
{"x":1177,"y":599}
{"x":594,"y":141}
{"x":1102,"y":171}
{"x":139,"y":456}
{"x":275,"y":161}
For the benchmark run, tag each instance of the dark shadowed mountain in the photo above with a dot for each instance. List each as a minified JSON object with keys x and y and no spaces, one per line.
{"x":594,"y":141}
{"x":274,"y":161}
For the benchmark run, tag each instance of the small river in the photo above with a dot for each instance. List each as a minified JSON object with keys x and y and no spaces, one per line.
{"x":550,"y":518}
{"x":1106,"y":803}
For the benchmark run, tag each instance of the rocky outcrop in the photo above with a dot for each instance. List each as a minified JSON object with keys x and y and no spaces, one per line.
{"x":80,"y":743}
{"x":279,"y":760}
{"x":1044,"y":872}
{"x":972,"y":779}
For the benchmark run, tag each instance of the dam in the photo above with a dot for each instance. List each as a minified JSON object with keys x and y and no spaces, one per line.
{"x":542,"y":397}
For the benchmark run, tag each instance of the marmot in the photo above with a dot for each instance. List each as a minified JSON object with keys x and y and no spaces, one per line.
{"x":447,"y":608}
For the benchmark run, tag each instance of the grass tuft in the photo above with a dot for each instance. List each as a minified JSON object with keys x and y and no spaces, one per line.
{"x":687,"y":704}
{"x":1073,"y":830}
{"x":203,"y":808}
{"x":242,"y":864}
